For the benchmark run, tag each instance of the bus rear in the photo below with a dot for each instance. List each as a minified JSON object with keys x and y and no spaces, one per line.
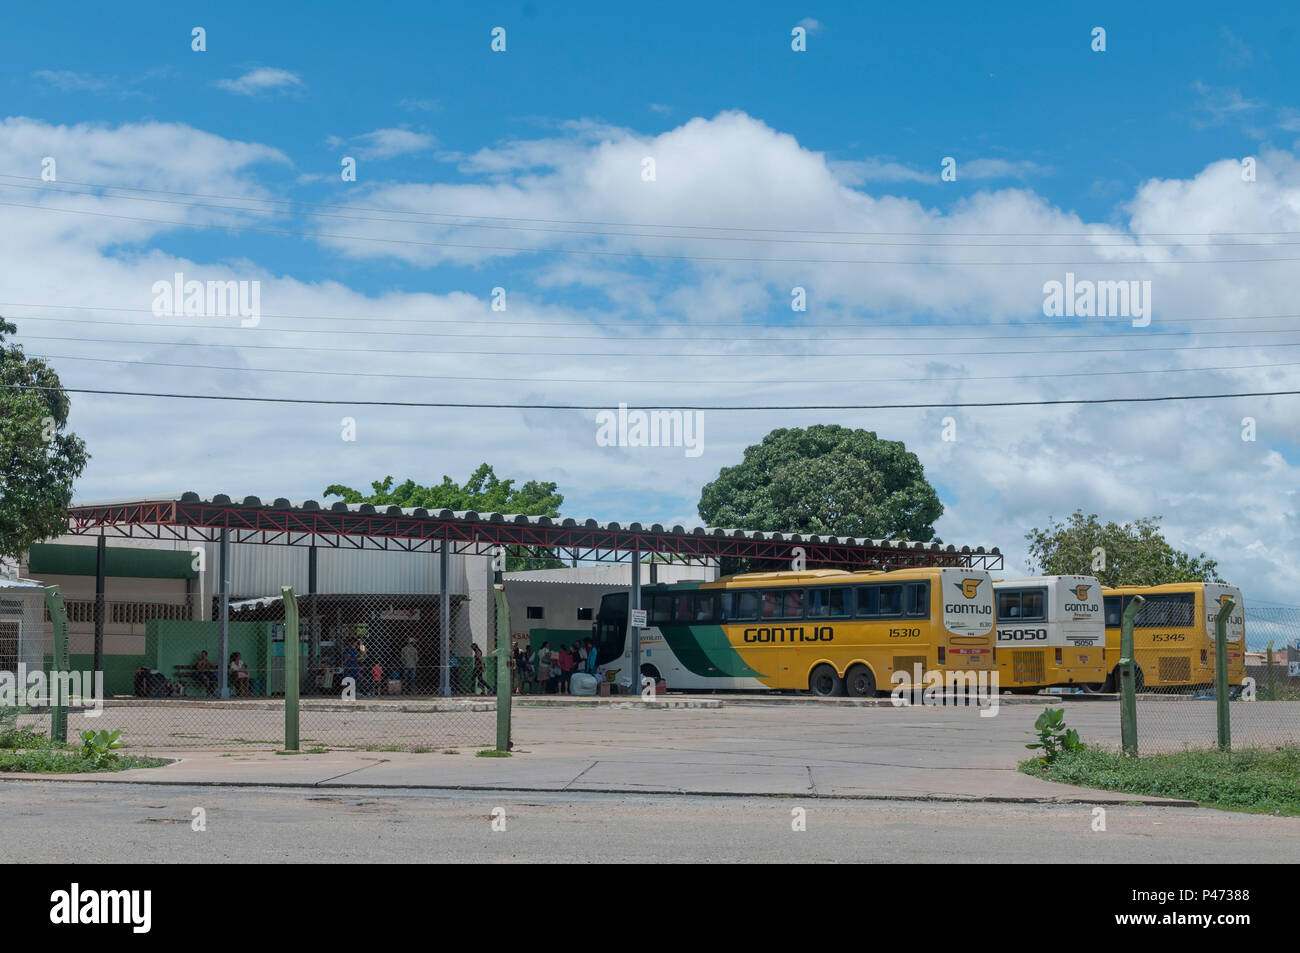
{"x":1051,"y":632}
{"x":965,"y":605}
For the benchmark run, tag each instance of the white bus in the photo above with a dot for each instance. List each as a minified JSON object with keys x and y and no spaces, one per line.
{"x":1051,"y":631}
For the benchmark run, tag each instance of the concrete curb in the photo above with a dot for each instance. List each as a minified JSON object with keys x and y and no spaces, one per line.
{"x":1118,"y":798}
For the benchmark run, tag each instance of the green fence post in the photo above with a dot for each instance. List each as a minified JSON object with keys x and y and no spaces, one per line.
{"x":290,"y":669}
{"x":1128,"y":712}
{"x":502,"y":652}
{"x":1221,"y":674}
{"x":59,"y":659}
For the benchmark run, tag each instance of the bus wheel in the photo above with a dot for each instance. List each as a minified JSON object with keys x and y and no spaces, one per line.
{"x":825,"y":681}
{"x":1095,"y":688}
{"x":859,"y":682}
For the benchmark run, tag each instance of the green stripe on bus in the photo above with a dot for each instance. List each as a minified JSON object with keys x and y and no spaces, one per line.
{"x":706,"y":651}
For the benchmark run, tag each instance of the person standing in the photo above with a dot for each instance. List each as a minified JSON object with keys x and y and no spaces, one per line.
{"x":478,"y":672}
{"x":544,"y":668}
{"x":410,"y":663}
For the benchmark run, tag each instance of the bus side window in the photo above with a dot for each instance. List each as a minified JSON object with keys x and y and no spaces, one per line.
{"x":818,"y":605}
{"x":793,"y":604}
{"x":1113,"y":612}
{"x":660,"y":609}
{"x":682,"y":610}
{"x":869,"y":600}
{"x":1008,"y":604}
{"x":1032,"y":604}
{"x":724,"y":605}
{"x":891,"y":600}
{"x":918,"y":599}
{"x":706,"y":607}
{"x":840,"y":602}
{"x":747,"y":604}
{"x":771,"y":604}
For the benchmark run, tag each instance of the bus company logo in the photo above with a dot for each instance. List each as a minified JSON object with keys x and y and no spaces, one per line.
{"x":76,"y":906}
{"x":1081,"y":592}
{"x":970,"y":586}
{"x":1225,"y":599}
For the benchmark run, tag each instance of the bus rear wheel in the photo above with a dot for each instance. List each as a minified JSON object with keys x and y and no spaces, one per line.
{"x":859,"y":682}
{"x":825,"y":681}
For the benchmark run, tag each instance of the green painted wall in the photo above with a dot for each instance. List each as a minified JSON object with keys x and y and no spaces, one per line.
{"x":178,"y":643}
{"x":66,"y":560}
{"x":119,"y":670}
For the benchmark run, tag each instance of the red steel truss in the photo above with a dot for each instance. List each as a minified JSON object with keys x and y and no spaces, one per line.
{"x":367,"y":527}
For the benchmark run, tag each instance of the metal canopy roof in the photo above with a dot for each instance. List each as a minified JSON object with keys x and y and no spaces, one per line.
{"x":365,"y":526}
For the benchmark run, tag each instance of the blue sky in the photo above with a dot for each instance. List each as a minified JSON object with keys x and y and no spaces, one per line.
{"x":1135,"y":146}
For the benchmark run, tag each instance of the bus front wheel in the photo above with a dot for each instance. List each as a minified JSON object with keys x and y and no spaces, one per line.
{"x":860,"y":683}
{"x":825,"y":681}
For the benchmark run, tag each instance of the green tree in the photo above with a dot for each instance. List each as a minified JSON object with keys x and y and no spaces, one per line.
{"x":1135,"y":554}
{"x":827,"y":480}
{"x":39,"y":458}
{"x":483,"y":492}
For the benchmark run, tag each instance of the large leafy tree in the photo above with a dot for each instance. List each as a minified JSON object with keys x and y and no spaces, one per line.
{"x":825,"y":479}
{"x":483,"y":492}
{"x":1128,"y":554}
{"x":39,"y":458}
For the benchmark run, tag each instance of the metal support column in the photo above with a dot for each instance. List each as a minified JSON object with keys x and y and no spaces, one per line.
{"x":223,"y":641}
{"x":1128,"y":717}
{"x":101,"y":558}
{"x":291,"y":657}
{"x":635,"y":633}
{"x":444,"y":620}
{"x":1221,"y":674}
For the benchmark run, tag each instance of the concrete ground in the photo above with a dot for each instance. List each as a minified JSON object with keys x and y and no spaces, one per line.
{"x":97,"y":822}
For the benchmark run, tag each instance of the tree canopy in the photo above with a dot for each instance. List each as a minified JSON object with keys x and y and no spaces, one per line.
{"x":483,"y":492}
{"x":1131,"y":554}
{"x":39,"y":457}
{"x":825,"y":479}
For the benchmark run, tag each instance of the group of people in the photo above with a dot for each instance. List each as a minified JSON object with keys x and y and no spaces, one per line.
{"x":205,"y":671}
{"x":547,"y":671}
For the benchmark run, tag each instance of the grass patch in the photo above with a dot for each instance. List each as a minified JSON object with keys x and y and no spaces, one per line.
{"x":491,"y":753}
{"x":1258,"y":780}
{"x":56,"y":761}
{"x":26,"y":739}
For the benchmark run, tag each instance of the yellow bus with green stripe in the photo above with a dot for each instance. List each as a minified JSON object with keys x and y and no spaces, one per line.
{"x":826,"y":631}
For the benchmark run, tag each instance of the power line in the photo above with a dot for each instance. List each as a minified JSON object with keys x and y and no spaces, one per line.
{"x":655,"y":380}
{"x":560,"y":221}
{"x":640,"y":255}
{"x":1134,"y":243}
{"x":494,"y":332}
{"x":500,"y":318}
{"x":742,"y":407}
{"x":644,"y":354}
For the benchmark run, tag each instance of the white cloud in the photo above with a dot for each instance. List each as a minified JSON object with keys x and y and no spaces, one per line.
{"x":389,"y":143}
{"x":1009,"y":469}
{"x":69,"y":81}
{"x":263,"y":79}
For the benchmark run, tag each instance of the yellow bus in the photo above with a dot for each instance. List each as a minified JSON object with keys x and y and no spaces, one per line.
{"x":1174,"y":633}
{"x":826,"y":631}
{"x":1051,"y":631}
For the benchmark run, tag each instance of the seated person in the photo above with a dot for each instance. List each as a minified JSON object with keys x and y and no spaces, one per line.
{"x":239,"y":675}
{"x":205,"y":672}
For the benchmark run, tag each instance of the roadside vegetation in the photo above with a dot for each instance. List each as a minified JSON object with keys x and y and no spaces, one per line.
{"x":24,"y":750}
{"x":1258,"y":780}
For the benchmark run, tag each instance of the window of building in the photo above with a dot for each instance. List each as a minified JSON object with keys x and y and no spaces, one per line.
{"x":535,"y":612}
{"x":584,"y":614}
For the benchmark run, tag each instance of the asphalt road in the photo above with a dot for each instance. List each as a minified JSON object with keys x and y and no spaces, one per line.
{"x":96,"y":822}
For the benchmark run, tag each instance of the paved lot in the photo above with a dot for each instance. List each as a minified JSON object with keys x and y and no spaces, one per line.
{"x":95,"y":822}
{"x":801,"y":749}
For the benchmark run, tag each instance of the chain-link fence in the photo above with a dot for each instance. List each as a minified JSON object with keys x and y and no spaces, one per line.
{"x":388,"y":672}
{"x":1175,"y":667}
